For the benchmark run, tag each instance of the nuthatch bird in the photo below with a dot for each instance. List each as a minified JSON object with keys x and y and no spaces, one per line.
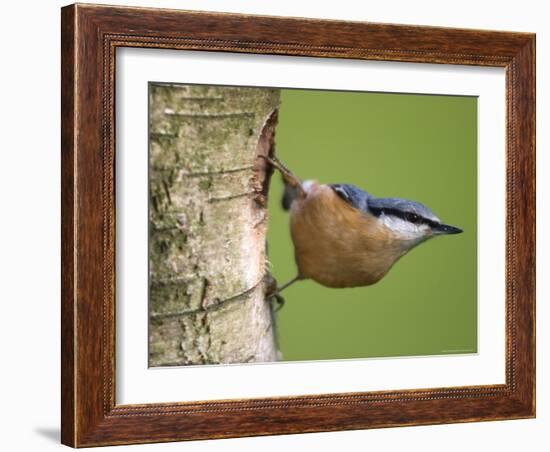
{"x":345,"y":237}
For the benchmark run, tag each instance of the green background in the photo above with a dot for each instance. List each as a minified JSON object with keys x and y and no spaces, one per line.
{"x":418,"y":147}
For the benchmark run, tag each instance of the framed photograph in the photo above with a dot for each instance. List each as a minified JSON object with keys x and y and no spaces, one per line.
{"x":281,"y":225}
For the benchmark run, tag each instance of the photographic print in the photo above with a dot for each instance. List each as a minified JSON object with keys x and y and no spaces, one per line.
{"x":275,"y":225}
{"x":297,"y":225}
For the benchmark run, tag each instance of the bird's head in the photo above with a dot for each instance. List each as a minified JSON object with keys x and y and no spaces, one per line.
{"x":409,"y":221}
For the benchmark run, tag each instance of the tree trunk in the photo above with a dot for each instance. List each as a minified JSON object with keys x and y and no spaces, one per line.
{"x":207,"y":224}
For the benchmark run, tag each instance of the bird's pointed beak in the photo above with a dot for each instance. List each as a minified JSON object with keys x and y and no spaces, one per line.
{"x":446,"y":229}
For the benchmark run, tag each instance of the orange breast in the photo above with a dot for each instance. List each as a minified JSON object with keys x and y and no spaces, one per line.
{"x":336,"y":245}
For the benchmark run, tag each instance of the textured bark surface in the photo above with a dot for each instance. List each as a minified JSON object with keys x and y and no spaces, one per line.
{"x":207,"y":224}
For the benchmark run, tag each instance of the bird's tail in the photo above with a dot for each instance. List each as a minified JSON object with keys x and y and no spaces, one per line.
{"x":289,"y":195}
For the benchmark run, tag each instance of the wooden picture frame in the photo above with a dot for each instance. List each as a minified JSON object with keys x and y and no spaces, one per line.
{"x":90,"y":36}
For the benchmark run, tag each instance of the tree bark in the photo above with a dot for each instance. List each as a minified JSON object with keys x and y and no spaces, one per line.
{"x":207,"y":224}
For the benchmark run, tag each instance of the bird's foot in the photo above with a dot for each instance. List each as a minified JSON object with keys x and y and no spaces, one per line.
{"x":277,"y":298}
{"x":272,"y":292}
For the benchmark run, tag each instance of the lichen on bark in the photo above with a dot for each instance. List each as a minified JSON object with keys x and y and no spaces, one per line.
{"x":207,"y":224}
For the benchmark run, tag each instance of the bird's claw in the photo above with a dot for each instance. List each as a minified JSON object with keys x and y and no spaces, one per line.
{"x":278,"y":298}
{"x":272,"y":292}
{"x":288,"y":176}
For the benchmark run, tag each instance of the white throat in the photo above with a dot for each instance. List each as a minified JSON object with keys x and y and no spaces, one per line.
{"x":410,"y":233}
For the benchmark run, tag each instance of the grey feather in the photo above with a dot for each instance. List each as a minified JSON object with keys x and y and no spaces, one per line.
{"x":353,"y":195}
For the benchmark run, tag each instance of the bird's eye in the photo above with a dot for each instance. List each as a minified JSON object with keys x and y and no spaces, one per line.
{"x":412,"y":217}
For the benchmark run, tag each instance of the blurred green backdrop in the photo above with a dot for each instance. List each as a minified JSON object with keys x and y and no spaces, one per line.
{"x":418,"y":147}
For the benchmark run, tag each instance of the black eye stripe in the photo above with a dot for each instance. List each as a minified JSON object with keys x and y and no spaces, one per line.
{"x":407,"y":216}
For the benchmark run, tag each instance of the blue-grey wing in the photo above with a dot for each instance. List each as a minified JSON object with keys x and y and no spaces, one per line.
{"x":352,"y":195}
